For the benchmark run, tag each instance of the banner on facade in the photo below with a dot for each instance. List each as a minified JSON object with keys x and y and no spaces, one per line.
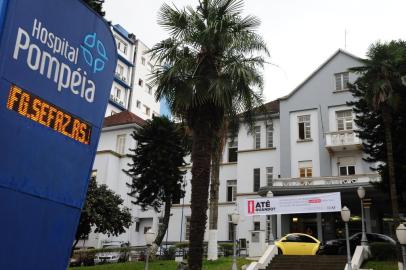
{"x":308,"y":203}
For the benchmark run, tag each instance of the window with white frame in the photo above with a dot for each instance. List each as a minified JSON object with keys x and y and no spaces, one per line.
{"x":120,"y":69}
{"x":305,"y":168}
{"x":121,"y":45}
{"x":147,"y":110}
{"x":231,"y":229}
{"x":232,"y":151}
{"x":257,"y":179}
{"x":257,"y":137}
{"x":304,"y":127}
{"x":140,"y":82}
{"x":341,"y":80}
{"x":138,"y":104}
{"x":231,"y":190}
{"x":269,"y":136}
{"x":256,"y":225}
{"x":120,"y":143}
{"x":143,"y":61}
{"x":187,"y":228}
{"x":269,"y":176}
{"x":117,"y":92}
{"x":344,"y":120}
{"x":346,"y":166}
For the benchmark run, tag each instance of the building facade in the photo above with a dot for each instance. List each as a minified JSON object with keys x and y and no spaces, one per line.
{"x":306,"y":144}
{"x":131,"y":89}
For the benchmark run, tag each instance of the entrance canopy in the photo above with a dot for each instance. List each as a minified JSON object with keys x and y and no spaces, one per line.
{"x":309,"y":203}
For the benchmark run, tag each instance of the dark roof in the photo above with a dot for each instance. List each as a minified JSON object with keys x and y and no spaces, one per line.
{"x":272,"y":106}
{"x":123,"y":118}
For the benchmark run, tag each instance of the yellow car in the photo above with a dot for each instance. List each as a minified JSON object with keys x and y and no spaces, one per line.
{"x":298,"y":244}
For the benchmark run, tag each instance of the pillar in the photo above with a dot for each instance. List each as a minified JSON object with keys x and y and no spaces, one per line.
{"x":319,"y":228}
{"x":278,"y":226}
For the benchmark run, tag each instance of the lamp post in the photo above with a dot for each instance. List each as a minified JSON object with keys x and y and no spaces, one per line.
{"x":270,"y":234}
{"x":235,"y":218}
{"x":345,"y":215}
{"x":401,"y":235}
{"x":149,"y":239}
{"x":361,"y":195}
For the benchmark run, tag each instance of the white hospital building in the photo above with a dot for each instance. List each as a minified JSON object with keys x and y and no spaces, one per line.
{"x":306,"y":145}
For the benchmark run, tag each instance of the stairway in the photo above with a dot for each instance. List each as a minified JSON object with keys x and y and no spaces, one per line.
{"x":294,"y":262}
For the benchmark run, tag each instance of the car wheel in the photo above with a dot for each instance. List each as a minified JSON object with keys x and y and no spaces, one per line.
{"x":280,"y":251}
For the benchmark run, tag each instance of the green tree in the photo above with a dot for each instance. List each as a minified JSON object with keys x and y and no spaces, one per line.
{"x":155,"y":169}
{"x":102,"y":211}
{"x":207,"y":69}
{"x":96,"y":5}
{"x":381,"y":114}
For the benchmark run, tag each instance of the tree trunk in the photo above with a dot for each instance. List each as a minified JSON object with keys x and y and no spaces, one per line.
{"x":201,"y":157}
{"x":161,"y":230}
{"x":218,"y":147}
{"x":391,"y":164}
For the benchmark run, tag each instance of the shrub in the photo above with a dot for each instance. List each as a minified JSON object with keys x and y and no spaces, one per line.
{"x":383,"y":252}
{"x":227,"y":249}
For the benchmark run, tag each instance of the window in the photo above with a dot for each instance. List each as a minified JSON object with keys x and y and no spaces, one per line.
{"x":305,"y":169}
{"x":143,"y":61}
{"x":120,"y":144}
{"x":341,"y":81}
{"x":140,"y":82}
{"x":257,"y":179}
{"x":231,"y":190}
{"x":146,"y":228}
{"x":304,"y":127}
{"x":119,"y":69}
{"x":137,"y":226}
{"x":121,"y":46}
{"x":231,"y":229}
{"x":269,"y":176}
{"x":147,"y":110}
{"x":257,"y":226}
{"x":344,"y":120}
{"x":346,"y":166}
{"x":257,"y":137}
{"x":269,"y":136}
{"x":149,"y":89}
{"x":117,"y":92}
{"x":138,"y":104}
{"x":187,"y":228}
{"x":232,"y":151}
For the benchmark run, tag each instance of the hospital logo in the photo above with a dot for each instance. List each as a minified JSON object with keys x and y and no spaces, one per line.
{"x":251,"y":207}
{"x":94,"y":53}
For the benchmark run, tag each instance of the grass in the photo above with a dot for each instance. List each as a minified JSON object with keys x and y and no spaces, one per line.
{"x":381,"y":265}
{"x":221,"y":264}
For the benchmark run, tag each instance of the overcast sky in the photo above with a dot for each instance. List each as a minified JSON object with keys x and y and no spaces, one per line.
{"x":301,"y":34}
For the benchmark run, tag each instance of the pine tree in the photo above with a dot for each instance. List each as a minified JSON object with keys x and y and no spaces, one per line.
{"x":155,"y":170}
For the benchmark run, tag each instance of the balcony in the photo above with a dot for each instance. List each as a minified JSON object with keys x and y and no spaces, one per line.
{"x":328,"y":180}
{"x":117,"y":101}
{"x":342,"y":141}
{"x":122,"y":80}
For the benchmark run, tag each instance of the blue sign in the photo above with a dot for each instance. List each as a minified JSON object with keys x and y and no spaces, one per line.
{"x":57,"y":60}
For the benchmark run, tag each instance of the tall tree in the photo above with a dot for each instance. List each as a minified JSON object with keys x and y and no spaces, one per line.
{"x":96,"y":5}
{"x":380,"y":90}
{"x":207,"y":69}
{"x":103,"y":211}
{"x":155,"y":169}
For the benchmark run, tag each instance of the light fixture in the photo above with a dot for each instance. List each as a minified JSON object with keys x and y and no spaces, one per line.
{"x":401,"y":234}
{"x":295,"y":219}
{"x":235,"y":217}
{"x":345,"y":214}
{"x":149,"y":237}
{"x":361,"y":192}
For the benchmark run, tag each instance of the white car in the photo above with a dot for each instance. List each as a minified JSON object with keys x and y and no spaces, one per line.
{"x":107,"y":256}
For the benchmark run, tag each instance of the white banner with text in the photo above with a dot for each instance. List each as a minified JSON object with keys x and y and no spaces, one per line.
{"x":295,"y":204}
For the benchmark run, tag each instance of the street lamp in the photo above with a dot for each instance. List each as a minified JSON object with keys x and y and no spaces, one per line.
{"x":270,"y":234}
{"x":235,"y":218}
{"x":149,"y":239}
{"x":401,"y":235}
{"x":361,"y":195}
{"x":345,"y":215}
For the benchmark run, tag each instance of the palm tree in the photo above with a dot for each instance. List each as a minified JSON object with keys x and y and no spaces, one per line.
{"x":381,"y":75}
{"x":207,"y":69}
